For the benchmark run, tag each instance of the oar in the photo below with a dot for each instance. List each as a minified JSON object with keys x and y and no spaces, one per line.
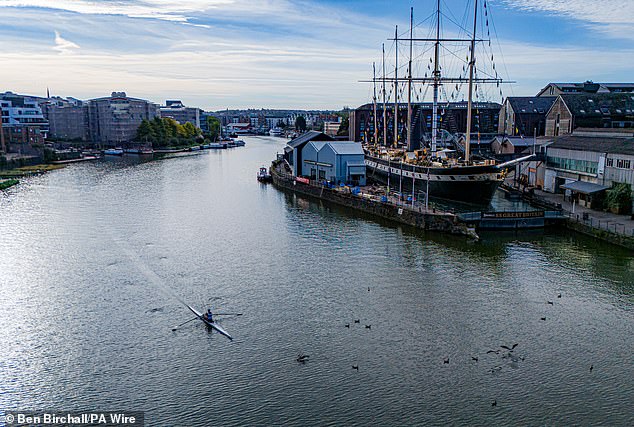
{"x":227,"y":314}
{"x":176,"y":327}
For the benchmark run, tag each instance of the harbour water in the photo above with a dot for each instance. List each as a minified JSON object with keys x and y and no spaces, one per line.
{"x":94,"y":257}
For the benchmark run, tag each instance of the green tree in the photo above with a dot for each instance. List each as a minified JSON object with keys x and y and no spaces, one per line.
{"x":300,"y":123}
{"x":619,"y":198}
{"x":343,"y":127}
{"x":190,"y":130}
{"x":159,"y":132}
{"x":145,"y":132}
{"x":213,"y":124}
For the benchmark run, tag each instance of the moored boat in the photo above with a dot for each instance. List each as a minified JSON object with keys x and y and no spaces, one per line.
{"x":218,"y":145}
{"x":264,"y":175}
{"x":113,"y":151}
{"x":413,"y":160}
{"x":276,"y":132}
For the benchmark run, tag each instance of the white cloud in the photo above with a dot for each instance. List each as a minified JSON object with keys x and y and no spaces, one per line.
{"x":171,"y":10}
{"x":64,"y":46}
{"x":613,"y":17}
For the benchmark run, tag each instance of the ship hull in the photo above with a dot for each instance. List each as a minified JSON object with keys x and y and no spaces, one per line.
{"x":468,"y":184}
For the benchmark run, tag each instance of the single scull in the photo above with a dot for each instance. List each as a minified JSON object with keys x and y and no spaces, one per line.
{"x":209,"y":323}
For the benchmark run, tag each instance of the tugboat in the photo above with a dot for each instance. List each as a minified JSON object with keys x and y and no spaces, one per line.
{"x":264,"y":175}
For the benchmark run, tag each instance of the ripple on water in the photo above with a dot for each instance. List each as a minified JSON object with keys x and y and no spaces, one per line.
{"x":91,"y":257}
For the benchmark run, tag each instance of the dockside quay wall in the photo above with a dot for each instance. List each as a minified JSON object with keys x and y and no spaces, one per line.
{"x":601,"y":234}
{"x":432,"y":221}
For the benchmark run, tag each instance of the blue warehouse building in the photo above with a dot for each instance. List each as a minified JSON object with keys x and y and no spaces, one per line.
{"x":316,"y":156}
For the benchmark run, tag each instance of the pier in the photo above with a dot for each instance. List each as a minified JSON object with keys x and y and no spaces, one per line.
{"x":381,"y":206}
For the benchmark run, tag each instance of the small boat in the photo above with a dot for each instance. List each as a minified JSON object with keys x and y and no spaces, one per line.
{"x":276,"y":131}
{"x":210,"y":323}
{"x":139,"y":151}
{"x":264,"y":175}
{"x":240,"y":143}
{"x":113,"y":152}
{"x":217,"y":145}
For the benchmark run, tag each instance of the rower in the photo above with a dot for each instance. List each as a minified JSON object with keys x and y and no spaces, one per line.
{"x":210,"y":316}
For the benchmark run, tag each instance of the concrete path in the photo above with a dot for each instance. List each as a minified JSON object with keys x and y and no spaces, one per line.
{"x":619,"y":224}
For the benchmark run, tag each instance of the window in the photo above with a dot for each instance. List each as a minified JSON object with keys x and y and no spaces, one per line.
{"x":572,"y":164}
{"x":623,"y":164}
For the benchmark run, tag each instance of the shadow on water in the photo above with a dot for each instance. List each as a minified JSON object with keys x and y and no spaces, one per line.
{"x":572,"y":250}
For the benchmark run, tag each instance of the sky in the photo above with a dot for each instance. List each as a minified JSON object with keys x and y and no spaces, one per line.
{"x":299,"y":54}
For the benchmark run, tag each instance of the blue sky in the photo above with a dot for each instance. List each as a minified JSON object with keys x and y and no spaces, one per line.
{"x":290,"y":53}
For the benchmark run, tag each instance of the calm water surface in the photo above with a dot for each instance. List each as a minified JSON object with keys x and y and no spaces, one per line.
{"x":93,"y":258}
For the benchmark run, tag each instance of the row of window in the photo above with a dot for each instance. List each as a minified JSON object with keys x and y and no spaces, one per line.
{"x":573,"y":165}
{"x":618,"y":163}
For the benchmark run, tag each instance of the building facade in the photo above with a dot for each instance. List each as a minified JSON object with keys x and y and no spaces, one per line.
{"x":610,"y":110}
{"x":22,"y":120}
{"x":597,"y":157}
{"x":114,"y":120}
{"x":338,"y":162}
{"x":174,"y":109}
{"x":68,"y":119}
{"x":524,"y":116}
{"x":452,"y":117}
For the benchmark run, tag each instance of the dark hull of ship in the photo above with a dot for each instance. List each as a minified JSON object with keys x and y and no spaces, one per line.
{"x":469,"y":184}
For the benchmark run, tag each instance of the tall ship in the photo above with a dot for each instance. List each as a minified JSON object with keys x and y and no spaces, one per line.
{"x":420,"y":157}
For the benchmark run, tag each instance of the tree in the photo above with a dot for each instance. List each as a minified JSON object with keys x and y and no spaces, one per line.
{"x":213,"y":124}
{"x":343,"y":127}
{"x":300,"y":123}
{"x":281,"y":124}
{"x":619,"y":198}
{"x":190,"y":130}
{"x":145,"y":132}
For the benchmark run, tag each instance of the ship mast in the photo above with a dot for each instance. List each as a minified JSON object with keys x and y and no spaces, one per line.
{"x":396,"y":89}
{"x":375,"y":141}
{"x":409,"y":82}
{"x":384,"y":105}
{"x":434,"y":124}
{"x":470,"y":102}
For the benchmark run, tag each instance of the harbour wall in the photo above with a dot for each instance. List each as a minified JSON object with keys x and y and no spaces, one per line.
{"x":427,"y":220}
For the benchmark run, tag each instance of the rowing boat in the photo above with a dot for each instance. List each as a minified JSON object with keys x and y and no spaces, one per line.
{"x":211,"y":324}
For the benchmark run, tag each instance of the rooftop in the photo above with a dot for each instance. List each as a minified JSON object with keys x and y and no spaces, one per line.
{"x":346,"y":147}
{"x":312,"y":135}
{"x":600,"y":104}
{"x":530,"y":104}
{"x":597,"y":144}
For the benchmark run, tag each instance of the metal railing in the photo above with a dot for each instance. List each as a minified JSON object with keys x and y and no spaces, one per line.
{"x":609,"y":225}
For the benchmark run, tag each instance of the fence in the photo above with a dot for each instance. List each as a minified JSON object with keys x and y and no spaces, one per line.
{"x":610,"y":226}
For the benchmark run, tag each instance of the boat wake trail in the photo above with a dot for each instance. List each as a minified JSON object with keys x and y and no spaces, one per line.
{"x":149,"y":274}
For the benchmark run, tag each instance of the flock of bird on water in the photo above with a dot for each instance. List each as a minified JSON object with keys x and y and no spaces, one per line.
{"x":507,"y":354}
